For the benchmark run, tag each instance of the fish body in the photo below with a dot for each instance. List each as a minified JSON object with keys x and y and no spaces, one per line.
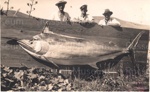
{"x":61,"y":49}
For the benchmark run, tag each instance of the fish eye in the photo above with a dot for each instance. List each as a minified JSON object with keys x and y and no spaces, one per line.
{"x":31,"y":42}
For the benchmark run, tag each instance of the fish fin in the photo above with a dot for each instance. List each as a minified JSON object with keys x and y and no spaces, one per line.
{"x":46,"y":28}
{"x":135,"y":41}
{"x":94,"y":65}
{"x":51,"y":62}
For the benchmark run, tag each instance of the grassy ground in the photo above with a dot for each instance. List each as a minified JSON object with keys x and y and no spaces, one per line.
{"x":109,"y":83}
{"x":41,"y":79}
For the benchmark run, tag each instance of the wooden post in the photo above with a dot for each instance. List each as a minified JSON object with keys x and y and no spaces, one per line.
{"x":121,"y":68}
{"x":148,"y":57}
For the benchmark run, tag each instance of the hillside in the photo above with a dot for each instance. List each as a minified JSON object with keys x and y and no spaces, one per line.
{"x":18,"y":14}
{"x":125,"y":23}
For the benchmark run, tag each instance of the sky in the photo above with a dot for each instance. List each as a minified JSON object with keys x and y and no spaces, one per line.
{"x":130,"y":10}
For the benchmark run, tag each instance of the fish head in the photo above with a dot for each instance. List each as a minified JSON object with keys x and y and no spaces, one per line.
{"x":34,"y":47}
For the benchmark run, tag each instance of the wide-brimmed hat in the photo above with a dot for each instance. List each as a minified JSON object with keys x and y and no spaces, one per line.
{"x":83,"y":7}
{"x":107,"y":11}
{"x":60,"y":2}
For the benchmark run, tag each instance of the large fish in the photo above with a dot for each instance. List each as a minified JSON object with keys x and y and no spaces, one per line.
{"x":61,"y":49}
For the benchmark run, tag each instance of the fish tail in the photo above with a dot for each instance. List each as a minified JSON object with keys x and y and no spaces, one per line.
{"x":135,"y":41}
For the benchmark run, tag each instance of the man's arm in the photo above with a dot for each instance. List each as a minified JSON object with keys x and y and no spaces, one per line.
{"x":114,"y":22}
{"x":67,"y":16}
{"x":101,"y":22}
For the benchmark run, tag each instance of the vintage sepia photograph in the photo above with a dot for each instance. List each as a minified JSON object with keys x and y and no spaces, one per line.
{"x":75,"y":45}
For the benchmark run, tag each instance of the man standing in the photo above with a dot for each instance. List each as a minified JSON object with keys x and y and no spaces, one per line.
{"x":84,"y":17}
{"x":61,"y":15}
{"x":108,"y":20}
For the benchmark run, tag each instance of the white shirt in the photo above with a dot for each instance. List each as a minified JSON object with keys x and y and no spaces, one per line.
{"x":59,"y":17}
{"x":87,"y":18}
{"x":111,"y":21}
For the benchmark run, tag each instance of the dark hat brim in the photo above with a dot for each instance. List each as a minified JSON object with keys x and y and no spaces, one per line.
{"x":60,"y":3}
{"x":110,"y":13}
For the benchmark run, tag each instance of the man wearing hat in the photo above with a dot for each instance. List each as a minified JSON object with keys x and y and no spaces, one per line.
{"x":84,"y":17}
{"x":108,"y":20}
{"x":61,"y":15}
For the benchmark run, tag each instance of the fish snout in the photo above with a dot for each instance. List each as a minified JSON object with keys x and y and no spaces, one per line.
{"x":22,"y":41}
{"x":19,"y":41}
{"x":25,"y":43}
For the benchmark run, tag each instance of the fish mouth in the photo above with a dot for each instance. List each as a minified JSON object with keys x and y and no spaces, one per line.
{"x":24,"y":44}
